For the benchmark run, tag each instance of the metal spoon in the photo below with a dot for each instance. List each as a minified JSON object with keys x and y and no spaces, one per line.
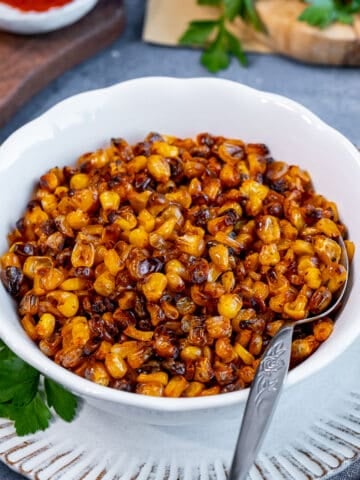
{"x":266,"y":388}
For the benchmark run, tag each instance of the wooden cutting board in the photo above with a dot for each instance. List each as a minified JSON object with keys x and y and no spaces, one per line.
{"x":29,"y":63}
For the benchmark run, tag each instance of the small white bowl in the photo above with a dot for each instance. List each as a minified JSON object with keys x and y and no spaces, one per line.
{"x":28,"y":23}
{"x":182,"y":108}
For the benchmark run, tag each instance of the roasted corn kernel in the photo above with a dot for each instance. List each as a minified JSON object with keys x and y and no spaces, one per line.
{"x":164,"y":268}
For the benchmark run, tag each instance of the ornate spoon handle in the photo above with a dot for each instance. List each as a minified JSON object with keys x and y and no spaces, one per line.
{"x":264,"y":394}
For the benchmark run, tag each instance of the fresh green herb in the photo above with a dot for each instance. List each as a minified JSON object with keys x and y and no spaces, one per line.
{"x":322,"y":13}
{"x":21,"y":399}
{"x":219,"y":43}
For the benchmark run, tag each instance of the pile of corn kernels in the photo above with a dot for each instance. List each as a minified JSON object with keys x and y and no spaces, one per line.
{"x":166,"y":267}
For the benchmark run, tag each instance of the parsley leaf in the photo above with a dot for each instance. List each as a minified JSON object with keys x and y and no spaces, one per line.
{"x":198,"y":32}
{"x":322,"y":13}
{"x":215,"y":57}
{"x":21,"y":400}
{"x":232,"y":8}
{"x":18,"y":381}
{"x":212,"y":3}
{"x":64,"y":402}
{"x":31,"y":417}
{"x":234,"y":47}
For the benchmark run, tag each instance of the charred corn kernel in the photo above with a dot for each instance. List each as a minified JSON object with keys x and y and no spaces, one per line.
{"x":327,"y":227}
{"x":164,"y":149}
{"x":80,"y":332}
{"x":194,"y":389}
{"x":125,"y":349}
{"x":273,"y":327}
{"x":303,"y":348}
{"x":49,"y":202}
{"x":244,"y":337}
{"x":229,"y":305}
{"x":67,"y":302}
{"x":269,"y":255}
{"x":77,"y":219}
{"x":255,"y":193}
{"x":261,"y":290}
{"x":83,"y":255}
{"x":154,"y":286}
{"x":327,"y":249}
{"x":219,"y":255}
{"x":218,"y":327}
{"x":224,"y":349}
{"x":84,"y":200}
{"x":191,"y":353}
{"x":294,"y":215}
{"x":323,"y":329}
{"x":36,"y":216}
{"x":221,"y":237}
{"x":97,"y":373}
{"x":157,"y":377}
{"x":175,"y":266}
{"x":102,"y":350}
{"x":210,"y":391}
{"x":73,"y":284}
{"x":159,"y":168}
{"x":268,"y":229}
{"x":49,"y":181}
{"x":244,"y":354}
{"x":127,"y":300}
{"x":312,"y":277}
{"x":297,"y":308}
{"x":203,"y":370}
{"x":46,"y":325}
{"x":300,"y":247}
{"x":167,"y":228}
{"x":110,"y":200}
{"x":79,"y":181}
{"x":306,"y":262}
{"x":138,"y":201}
{"x":214,"y":273}
{"x":350,"y":249}
{"x":127,"y":221}
{"x":182,"y":197}
{"x":28,"y":324}
{"x":112,"y":261}
{"x":133,"y":332}
{"x":104,"y":284}
{"x":191,"y":244}
{"x":176,"y":386}
{"x":137,"y":164}
{"x":9,"y":259}
{"x":146,"y":220}
{"x":174,"y":282}
{"x":139,"y":237}
{"x":247,"y":374}
{"x":115,"y":365}
{"x":33,"y":265}
{"x":51,"y":278}
{"x":255,"y":345}
{"x":338,"y":275}
{"x":151,"y":389}
{"x":228,"y":281}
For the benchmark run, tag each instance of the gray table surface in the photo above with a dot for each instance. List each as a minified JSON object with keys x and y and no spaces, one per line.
{"x":331,"y":93}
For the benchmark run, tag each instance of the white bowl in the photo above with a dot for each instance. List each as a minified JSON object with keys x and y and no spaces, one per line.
{"x":28,"y":23}
{"x":183,"y":108}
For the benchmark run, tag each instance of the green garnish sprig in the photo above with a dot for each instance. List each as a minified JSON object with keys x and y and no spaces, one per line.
{"x":213,"y":35}
{"x":24,"y":401}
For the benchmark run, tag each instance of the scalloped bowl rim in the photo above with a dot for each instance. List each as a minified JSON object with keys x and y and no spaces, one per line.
{"x":30,"y":353}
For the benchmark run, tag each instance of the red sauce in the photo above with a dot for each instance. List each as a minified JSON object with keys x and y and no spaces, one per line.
{"x":35,"y":5}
